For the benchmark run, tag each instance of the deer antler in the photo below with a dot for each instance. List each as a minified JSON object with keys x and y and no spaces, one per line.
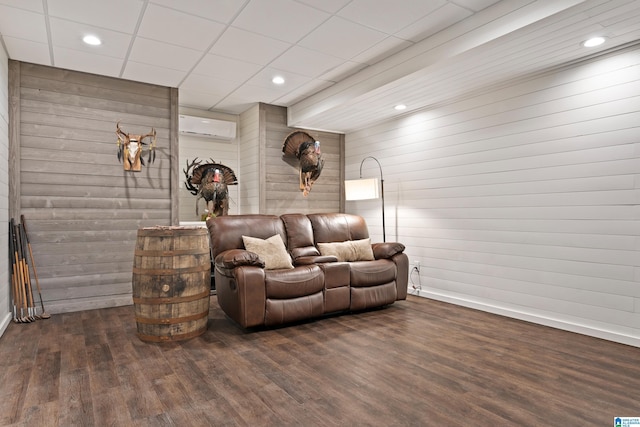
{"x":121,"y":135}
{"x":187,"y":173}
{"x":123,"y":139}
{"x":151,"y":134}
{"x":152,"y":153}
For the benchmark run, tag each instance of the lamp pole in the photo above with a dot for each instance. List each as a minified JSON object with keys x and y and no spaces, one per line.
{"x":384,"y":235}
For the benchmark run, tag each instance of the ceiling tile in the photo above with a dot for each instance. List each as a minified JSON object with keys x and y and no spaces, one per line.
{"x":163,"y":55}
{"x":343,"y":71}
{"x":264,"y":77}
{"x":27,"y":51}
{"x":22,"y":24}
{"x":303,"y":91}
{"x":152,"y":74}
{"x":234,"y":105}
{"x":69,"y":34}
{"x":475,"y":5}
{"x":171,"y":26}
{"x":32,"y":5}
{"x":217,"y":10}
{"x":229,"y":69}
{"x":331,"y":6}
{"x":117,"y":15}
{"x":86,"y":62}
{"x":280,"y":19}
{"x":206,"y":83}
{"x":381,"y":50}
{"x":257,"y":93}
{"x":440,"y":19}
{"x":387,"y":16}
{"x":305,"y":62}
{"x":197,"y":99}
{"x":342,"y":38}
{"x":247,"y":46}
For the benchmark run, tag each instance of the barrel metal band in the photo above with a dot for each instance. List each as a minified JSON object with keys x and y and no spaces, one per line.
{"x":171,"y":321}
{"x":167,"y":253}
{"x":171,"y":271}
{"x":153,"y":338}
{"x":169,"y":300}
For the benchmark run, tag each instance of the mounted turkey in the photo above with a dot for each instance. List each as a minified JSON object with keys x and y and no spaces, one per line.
{"x":306,"y":149}
{"x":209,"y":181}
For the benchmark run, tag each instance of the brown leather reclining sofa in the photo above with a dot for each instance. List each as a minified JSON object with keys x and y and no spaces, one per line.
{"x":315,"y":283}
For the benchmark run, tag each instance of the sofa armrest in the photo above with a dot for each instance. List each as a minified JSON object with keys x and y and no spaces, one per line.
{"x":233,"y":258}
{"x":387,"y":250}
{"x":242,"y":294}
{"x":314,"y":259}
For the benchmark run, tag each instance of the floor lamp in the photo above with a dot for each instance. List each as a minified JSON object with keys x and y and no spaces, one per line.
{"x":363,"y":189}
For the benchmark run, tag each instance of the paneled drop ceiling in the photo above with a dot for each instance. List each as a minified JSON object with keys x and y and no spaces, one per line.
{"x":346,"y":63}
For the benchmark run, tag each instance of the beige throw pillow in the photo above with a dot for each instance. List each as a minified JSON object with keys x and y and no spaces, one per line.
{"x":351,"y":250}
{"x":272,"y":251}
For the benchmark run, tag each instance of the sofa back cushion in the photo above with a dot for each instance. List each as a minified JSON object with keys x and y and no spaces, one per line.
{"x":351,"y":250}
{"x":272,"y":251}
{"x":226,"y":231}
{"x":337,"y":227}
{"x":299,"y":235}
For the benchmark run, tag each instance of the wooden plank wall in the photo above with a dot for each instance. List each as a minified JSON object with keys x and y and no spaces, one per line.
{"x":524,"y":201}
{"x":249,"y":161}
{"x":82,"y":209}
{"x":5,"y":310}
{"x":281,"y":180}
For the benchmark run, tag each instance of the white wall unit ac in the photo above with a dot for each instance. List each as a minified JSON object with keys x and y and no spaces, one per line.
{"x":206,"y":127}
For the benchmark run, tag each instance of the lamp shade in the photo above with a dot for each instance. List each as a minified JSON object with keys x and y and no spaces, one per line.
{"x":361,"y":189}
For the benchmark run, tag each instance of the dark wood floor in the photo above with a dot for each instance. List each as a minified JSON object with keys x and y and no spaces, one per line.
{"x":415,"y":363}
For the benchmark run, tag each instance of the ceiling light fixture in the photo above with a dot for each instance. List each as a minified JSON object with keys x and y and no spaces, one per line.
{"x":92,"y":40}
{"x":400,"y":107}
{"x":278,"y":80}
{"x":593,"y":41}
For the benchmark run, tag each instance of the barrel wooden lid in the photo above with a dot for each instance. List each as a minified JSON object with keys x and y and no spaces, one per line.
{"x":173,"y":230}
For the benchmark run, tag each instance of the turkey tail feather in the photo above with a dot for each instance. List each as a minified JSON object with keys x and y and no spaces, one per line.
{"x":293,"y":141}
{"x":228,"y":176}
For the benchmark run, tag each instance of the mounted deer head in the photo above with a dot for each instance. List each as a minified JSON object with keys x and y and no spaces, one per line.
{"x":130,"y":149}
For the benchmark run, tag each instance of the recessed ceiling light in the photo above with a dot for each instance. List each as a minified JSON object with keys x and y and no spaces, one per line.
{"x":400,"y":107}
{"x":593,"y":41}
{"x":92,"y":40}
{"x":278,"y":80}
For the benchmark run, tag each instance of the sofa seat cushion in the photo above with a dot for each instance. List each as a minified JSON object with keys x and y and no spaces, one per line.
{"x":373,"y":296}
{"x":297,"y":282}
{"x":372,"y":273}
{"x":279,"y":311}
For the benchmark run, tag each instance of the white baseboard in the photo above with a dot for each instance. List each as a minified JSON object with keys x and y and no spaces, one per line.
{"x":558,"y":323}
{"x":4,"y":324}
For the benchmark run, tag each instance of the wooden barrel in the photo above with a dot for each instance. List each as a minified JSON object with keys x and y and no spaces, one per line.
{"x":171,"y":283}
